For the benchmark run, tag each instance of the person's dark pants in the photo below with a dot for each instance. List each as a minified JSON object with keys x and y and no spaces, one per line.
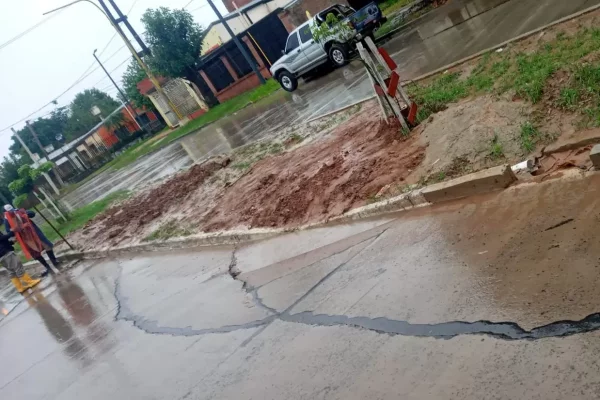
{"x":52,"y":258}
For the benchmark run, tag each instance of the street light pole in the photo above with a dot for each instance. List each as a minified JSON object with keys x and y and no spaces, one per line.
{"x":123,"y":96}
{"x":238,"y":43}
{"x":135,"y":54}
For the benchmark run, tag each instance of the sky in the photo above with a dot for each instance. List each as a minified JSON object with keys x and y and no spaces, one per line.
{"x":56,"y":56}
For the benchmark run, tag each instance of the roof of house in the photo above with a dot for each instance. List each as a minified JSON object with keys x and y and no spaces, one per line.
{"x":146,"y":86}
{"x":71,"y":145}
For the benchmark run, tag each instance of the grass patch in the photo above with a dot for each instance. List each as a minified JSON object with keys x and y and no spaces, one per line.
{"x":389,"y":7}
{"x":568,"y":98}
{"x":527,"y":75}
{"x":169,"y":230}
{"x":395,"y":23}
{"x":496,"y":149}
{"x":296,"y":138}
{"x":81,"y":216}
{"x":242,"y":165}
{"x":529,"y":136}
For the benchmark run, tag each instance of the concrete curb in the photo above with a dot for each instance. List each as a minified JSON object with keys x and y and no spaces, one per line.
{"x":492,"y":179}
{"x":488,"y":180}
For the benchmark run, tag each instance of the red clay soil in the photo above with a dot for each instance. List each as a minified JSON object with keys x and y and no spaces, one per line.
{"x":148,"y":206}
{"x":319,"y":180}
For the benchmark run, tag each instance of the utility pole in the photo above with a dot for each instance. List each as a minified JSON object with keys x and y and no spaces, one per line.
{"x":50,"y":181}
{"x":115,"y":24}
{"x":37,"y":140}
{"x":138,"y":56}
{"x":123,"y":96}
{"x":237,"y":42}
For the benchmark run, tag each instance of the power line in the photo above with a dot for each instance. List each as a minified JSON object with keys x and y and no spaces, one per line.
{"x":90,"y":70}
{"x":25,"y":32}
{"x":202,"y":6}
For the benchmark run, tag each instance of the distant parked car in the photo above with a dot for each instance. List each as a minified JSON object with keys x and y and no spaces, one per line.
{"x":303,"y":53}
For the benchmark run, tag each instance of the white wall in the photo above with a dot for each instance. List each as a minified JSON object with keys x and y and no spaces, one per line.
{"x":218,"y":33}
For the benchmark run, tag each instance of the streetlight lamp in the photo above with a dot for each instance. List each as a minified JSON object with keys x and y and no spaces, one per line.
{"x":141,"y":62}
{"x":124,"y":98}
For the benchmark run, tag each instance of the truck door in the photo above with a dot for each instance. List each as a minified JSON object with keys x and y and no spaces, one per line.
{"x":313,"y":51}
{"x":296,"y":57}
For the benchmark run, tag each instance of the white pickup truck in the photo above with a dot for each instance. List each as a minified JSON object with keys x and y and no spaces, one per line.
{"x":303,"y":53}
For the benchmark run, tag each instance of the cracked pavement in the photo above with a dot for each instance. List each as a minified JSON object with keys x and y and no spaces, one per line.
{"x":474,"y":299}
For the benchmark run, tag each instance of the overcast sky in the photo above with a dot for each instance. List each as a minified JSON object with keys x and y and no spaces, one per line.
{"x":45,"y":62}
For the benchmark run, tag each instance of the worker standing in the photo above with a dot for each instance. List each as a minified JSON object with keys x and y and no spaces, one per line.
{"x":30,"y":236}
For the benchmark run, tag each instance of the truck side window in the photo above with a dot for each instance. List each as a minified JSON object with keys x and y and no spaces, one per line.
{"x":292,"y":43}
{"x":305,"y":34}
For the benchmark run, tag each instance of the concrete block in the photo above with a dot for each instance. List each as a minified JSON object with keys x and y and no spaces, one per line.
{"x":416,"y":197}
{"x":595,"y":156}
{"x":479,"y":182}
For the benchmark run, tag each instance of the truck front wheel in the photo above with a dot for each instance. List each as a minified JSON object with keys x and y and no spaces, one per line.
{"x":287,"y":81}
{"x":338,"y":54}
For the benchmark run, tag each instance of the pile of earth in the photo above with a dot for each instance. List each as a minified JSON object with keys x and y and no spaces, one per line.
{"x":130,"y":218}
{"x":320,"y":180}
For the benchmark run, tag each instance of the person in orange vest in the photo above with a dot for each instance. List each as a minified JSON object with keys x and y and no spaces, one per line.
{"x":30,"y":237}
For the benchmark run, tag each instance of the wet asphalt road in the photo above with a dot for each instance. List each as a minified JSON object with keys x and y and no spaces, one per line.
{"x":447,"y":34}
{"x":493,"y":297}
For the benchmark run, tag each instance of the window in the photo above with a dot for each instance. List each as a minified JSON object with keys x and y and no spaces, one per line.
{"x":347,"y":11}
{"x":305,"y":34}
{"x":292,"y":43}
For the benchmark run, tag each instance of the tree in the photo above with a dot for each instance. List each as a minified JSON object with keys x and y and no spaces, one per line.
{"x":175,"y":41}
{"x":25,"y":183}
{"x":115,"y":122}
{"x":132,"y":76}
{"x":48,"y":129}
{"x":9,"y":171}
{"x":81,"y":119}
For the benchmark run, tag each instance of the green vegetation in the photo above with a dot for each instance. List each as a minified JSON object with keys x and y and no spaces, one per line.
{"x":395,"y":23}
{"x":529,"y":136}
{"x":242,"y":165}
{"x":389,"y":7}
{"x":528,"y":76}
{"x":248,"y":155}
{"x":496,"y":149}
{"x":169,"y":230}
{"x":81,"y":216}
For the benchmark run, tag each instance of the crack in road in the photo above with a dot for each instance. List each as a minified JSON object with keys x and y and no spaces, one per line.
{"x":449,"y":330}
{"x":382,"y":325}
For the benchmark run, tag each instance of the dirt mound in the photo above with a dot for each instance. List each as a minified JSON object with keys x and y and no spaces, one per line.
{"x":148,"y":206}
{"x":472,"y":135}
{"x":320,"y":180}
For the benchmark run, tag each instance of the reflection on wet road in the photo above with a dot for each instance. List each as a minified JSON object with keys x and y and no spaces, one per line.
{"x":340,"y":312}
{"x":447,"y":34}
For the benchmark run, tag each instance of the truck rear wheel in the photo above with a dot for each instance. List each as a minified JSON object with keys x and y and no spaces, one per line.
{"x":338,"y":54}
{"x":287,"y":81}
